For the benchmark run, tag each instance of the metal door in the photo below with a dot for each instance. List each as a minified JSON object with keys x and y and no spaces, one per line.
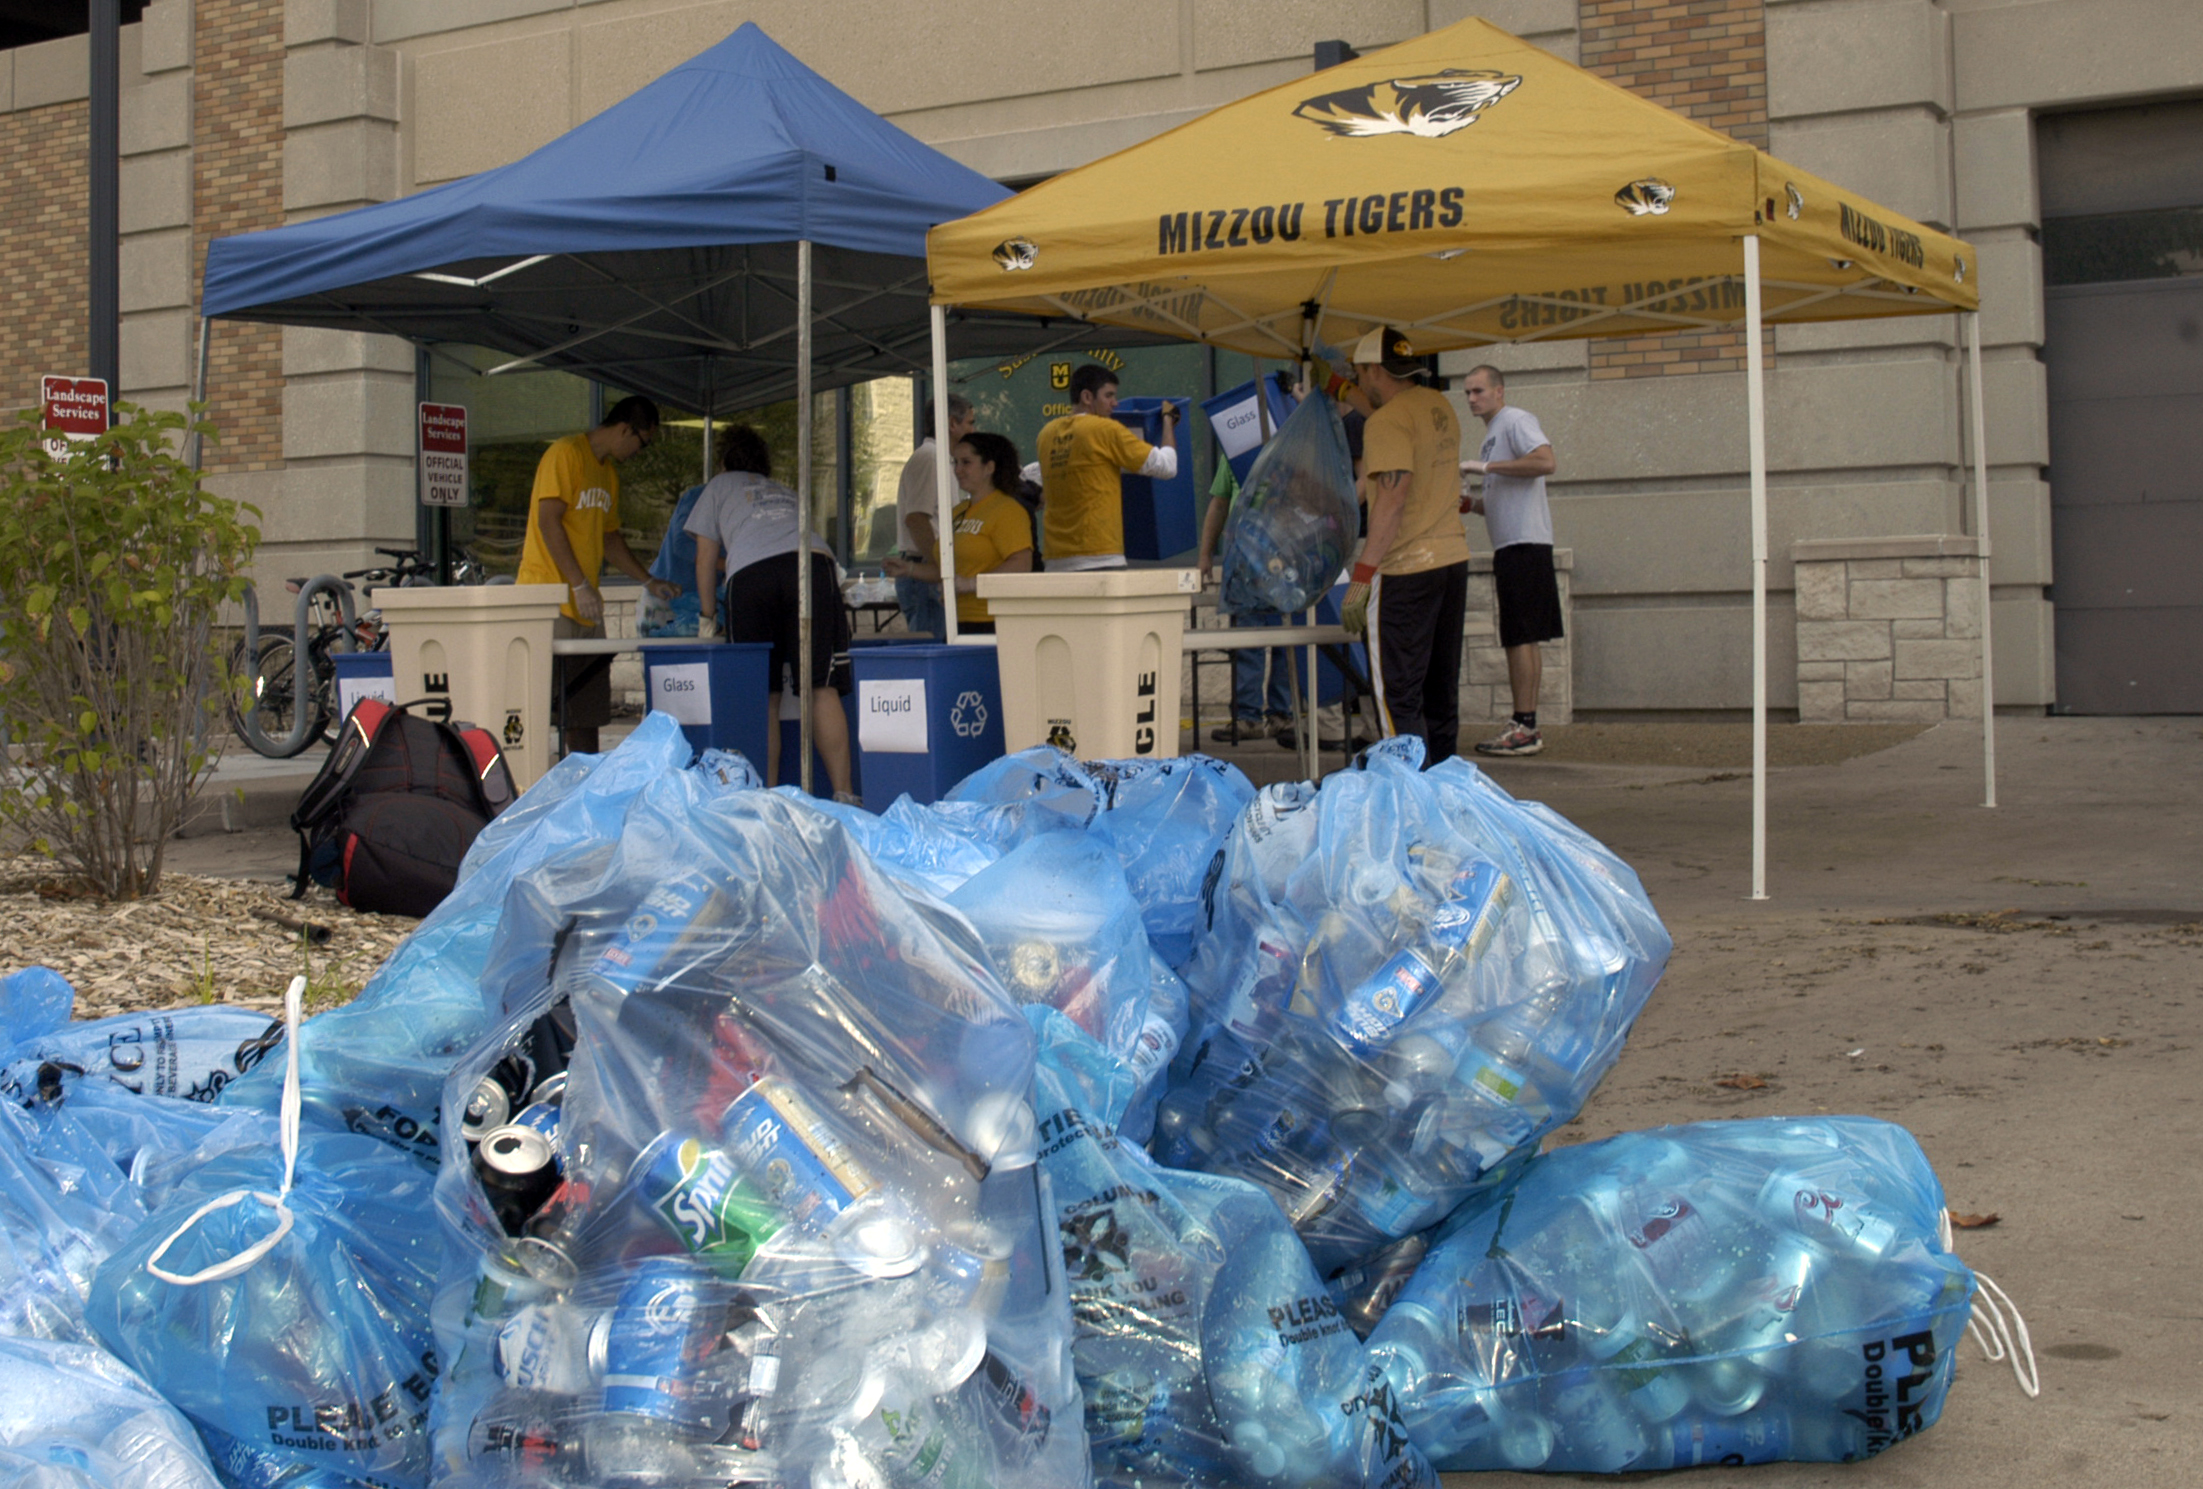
{"x":2126,"y":494}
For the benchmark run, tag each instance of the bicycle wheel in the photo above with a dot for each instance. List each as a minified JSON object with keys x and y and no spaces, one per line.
{"x":271,"y":693}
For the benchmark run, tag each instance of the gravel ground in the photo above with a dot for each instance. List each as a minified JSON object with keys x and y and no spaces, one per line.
{"x":200,"y":940}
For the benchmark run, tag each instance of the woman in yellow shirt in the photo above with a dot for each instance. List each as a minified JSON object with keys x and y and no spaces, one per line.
{"x":994,"y":532}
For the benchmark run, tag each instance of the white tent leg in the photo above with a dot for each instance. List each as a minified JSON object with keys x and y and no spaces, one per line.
{"x":944,"y":472}
{"x":1755,"y":386}
{"x":1981,"y":536}
{"x":803,"y":513}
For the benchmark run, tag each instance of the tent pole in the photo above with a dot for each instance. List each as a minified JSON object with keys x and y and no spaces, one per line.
{"x":803,"y":513}
{"x":1755,"y":388}
{"x":1981,"y":537}
{"x":944,"y":474}
{"x":199,"y":394}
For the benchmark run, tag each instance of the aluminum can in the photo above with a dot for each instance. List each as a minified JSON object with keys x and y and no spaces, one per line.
{"x":1017,"y":1419}
{"x":639,"y":950}
{"x":784,"y":1146}
{"x":517,"y":1172}
{"x":546,"y":1347}
{"x":543,"y":1117}
{"x":1459,"y":930}
{"x":1837,"y":1222}
{"x":697,"y":1193}
{"x":654,"y":1342}
{"x":502,"y":1287}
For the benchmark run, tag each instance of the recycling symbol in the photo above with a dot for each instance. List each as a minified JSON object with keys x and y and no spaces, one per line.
{"x":969,"y":716}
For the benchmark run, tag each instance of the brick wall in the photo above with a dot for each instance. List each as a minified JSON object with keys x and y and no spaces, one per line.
{"x":43,"y":197}
{"x":1707,"y":60}
{"x":237,"y":187}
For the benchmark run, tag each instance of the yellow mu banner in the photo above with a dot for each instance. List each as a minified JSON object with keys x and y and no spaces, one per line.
{"x":1464,"y":186}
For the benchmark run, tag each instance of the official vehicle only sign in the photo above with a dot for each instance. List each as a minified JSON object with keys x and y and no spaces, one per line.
{"x":443,"y":455}
{"x":76,"y":408}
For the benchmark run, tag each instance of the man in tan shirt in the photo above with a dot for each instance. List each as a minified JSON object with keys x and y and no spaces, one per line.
{"x":1410,"y":590}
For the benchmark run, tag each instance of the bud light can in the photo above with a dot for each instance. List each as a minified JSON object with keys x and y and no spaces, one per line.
{"x":661,"y":922}
{"x":783,"y":1145}
{"x":652,"y":1348}
{"x":698,"y":1194}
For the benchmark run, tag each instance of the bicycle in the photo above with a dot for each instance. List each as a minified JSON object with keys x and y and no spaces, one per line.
{"x":271,"y":677}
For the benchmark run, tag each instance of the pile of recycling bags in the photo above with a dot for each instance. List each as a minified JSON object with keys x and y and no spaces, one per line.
{"x":1104,"y":1122}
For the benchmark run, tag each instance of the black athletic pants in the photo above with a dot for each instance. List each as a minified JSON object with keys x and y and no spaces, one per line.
{"x":1415,"y":625}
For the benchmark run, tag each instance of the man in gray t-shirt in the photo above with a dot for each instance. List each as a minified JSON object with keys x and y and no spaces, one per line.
{"x":1515,"y":460}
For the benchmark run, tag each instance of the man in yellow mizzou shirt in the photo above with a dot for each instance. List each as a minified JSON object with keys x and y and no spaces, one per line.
{"x":573,"y":527}
{"x":1410,"y":590}
{"x":1083,"y":457}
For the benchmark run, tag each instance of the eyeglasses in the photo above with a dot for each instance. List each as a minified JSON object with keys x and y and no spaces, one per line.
{"x":644,"y":439}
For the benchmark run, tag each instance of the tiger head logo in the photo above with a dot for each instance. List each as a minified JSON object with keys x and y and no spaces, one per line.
{"x":1650,"y":197}
{"x":1014,"y":254}
{"x":1428,"y":107}
{"x":1797,"y":199}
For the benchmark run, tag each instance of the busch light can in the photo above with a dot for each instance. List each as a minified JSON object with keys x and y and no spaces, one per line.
{"x":548,"y":1347}
{"x":697,"y":1193}
{"x":783,"y":1145}
{"x":652,"y":1347}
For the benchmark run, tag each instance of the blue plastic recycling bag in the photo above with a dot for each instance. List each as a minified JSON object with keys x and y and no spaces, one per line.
{"x":1208,"y":1351}
{"x":1400,"y":983}
{"x":190,"y":1053}
{"x":1725,"y":1292}
{"x":377,"y":1064}
{"x":63,"y":1209}
{"x":1295,"y":519}
{"x":72,"y":1416}
{"x":1165,"y":819}
{"x":319,"y":1350}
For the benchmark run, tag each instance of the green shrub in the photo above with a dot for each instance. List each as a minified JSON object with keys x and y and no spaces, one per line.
{"x":115,"y":564}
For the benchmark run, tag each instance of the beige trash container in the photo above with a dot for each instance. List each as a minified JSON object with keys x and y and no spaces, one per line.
{"x":487,"y":649}
{"x":1090,"y":661}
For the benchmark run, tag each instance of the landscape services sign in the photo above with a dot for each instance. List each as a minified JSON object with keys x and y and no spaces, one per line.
{"x":443,"y":455}
{"x":76,"y":408}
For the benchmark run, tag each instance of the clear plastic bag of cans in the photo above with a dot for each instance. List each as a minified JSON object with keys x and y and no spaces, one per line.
{"x":317,"y":1350}
{"x":1401,"y":982}
{"x":377,"y":1064}
{"x":777,"y":1219}
{"x":1063,"y":931}
{"x":1725,"y":1292}
{"x":1208,"y":1352}
{"x":1295,"y":519}
{"x":72,"y":1416}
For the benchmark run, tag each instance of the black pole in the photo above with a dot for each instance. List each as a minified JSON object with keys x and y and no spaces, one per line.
{"x":103,"y":291}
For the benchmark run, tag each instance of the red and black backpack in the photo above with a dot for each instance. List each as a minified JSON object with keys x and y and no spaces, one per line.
{"x":395,"y":808}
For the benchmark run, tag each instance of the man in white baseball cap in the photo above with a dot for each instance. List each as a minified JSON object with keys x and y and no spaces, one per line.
{"x":1410,"y":590}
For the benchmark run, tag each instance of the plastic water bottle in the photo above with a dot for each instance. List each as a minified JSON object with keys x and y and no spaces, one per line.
{"x":150,"y":1456}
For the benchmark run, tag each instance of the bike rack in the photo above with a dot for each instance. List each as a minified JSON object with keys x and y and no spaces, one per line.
{"x":302,"y":671}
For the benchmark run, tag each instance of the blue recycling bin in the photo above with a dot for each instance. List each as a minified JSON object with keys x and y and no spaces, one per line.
{"x":1237,"y":423}
{"x":362,"y":674}
{"x":715,"y":689}
{"x":821,"y":783}
{"x":1158,"y":515}
{"x":927,"y":716}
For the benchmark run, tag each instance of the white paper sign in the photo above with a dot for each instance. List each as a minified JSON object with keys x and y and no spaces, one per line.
{"x":891,"y":716}
{"x":1238,"y":427}
{"x":682,"y":689}
{"x":351,"y":689}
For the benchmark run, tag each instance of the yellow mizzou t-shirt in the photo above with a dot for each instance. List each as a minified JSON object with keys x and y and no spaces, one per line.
{"x":988,"y":531}
{"x":1417,"y":432}
{"x":1083,"y":458}
{"x":571,"y":473}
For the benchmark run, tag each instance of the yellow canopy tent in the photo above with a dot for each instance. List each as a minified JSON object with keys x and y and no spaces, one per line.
{"x":1472,"y":190}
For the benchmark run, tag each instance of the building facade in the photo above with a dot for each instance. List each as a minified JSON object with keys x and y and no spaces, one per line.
{"x":2038,"y":129}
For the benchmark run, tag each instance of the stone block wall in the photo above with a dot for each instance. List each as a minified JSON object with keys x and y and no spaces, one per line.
{"x":1889,"y":630}
{"x":1485,"y":694}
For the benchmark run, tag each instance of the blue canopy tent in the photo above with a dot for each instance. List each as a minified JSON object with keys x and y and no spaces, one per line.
{"x":737,"y":231}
